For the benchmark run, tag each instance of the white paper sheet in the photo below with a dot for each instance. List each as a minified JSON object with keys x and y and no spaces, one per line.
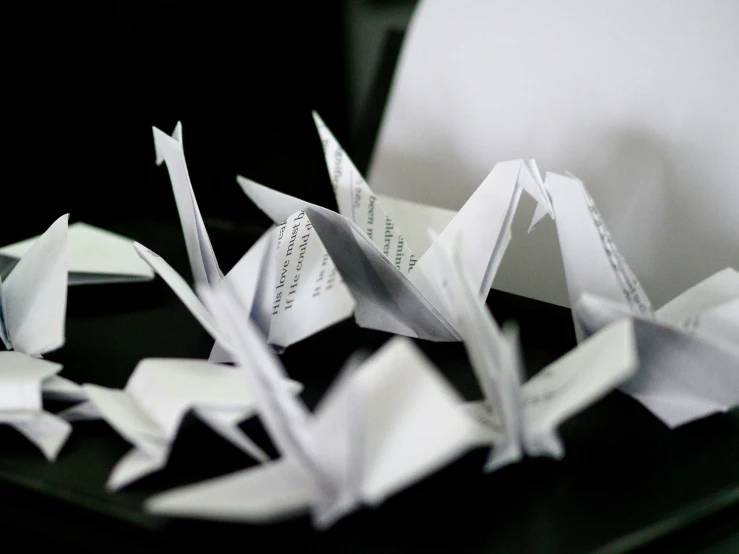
{"x":305,"y":294}
{"x":524,"y":417}
{"x":34,"y":295}
{"x":149,"y":410}
{"x":21,"y":382}
{"x":308,"y":292}
{"x":384,"y":424}
{"x":688,"y":349}
{"x":637,"y":98}
{"x":94,"y":256}
{"x":395,"y":289}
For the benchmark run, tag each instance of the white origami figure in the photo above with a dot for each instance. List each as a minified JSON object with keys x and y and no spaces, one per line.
{"x":33,"y":301}
{"x":33,"y":304}
{"x":149,"y":410}
{"x":688,"y":349}
{"x":304,"y":297}
{"x":386,"y":423}
{"x":94,"y":256}
{"x":524,"y":416}
{"x":22,"y":380}
{"x":396,"y":290}
{"x":33,"y":298}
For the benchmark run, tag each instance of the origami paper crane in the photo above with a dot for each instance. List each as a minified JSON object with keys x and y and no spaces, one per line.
{"x":387,"y":422}
{"x":33,"y":303}
{"x":306,"y":296}
{"x":524,"y":416}
{"x":688,"y":349}
{"x":33,"y":298}
{"x":94,"y":256}
{"x":395,"y":290}
{"x":158,"y":395}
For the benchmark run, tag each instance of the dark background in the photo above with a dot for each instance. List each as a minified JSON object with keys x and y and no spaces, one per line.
{"x":86,"y":84}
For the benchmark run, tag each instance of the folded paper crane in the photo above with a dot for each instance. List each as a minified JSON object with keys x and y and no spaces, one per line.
{"x":158,"y":395}
{"x":33,"y":298}
{"x":22,"y":380}
{"x":524,"y":417}
{"x":395,"y":290}
{"x":33,"y":304}
{"x":688,"y":349}
{"x":387,"y":422}
{"x":94,"y":256}
{"x":305,"y":296}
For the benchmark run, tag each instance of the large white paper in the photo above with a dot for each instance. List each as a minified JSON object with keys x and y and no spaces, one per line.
{"x":34,"y":296}
{"x":385,"y":423}
{"x":638,"y":98}
{"x":524,"y":417}
{"x":688,"y":349}
{"x":94,"y":256}
{"x":395,"y":288}
{"x":21,"y":382}
{"x":303,"y":296}
{"x":149,"y":410}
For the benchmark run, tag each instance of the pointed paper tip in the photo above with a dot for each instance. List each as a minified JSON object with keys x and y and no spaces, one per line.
{"x":248,"y":185}
{"x":141,"y":249}
{"x":533,"y":168}
{"x":171,"y":503}
{"x":53,"y":453}
{"x":156,"y":504}
{"x":502,"y":456}
{"x":51,"y":456}
{"x":540,"y":213}
{"x":158,"y":135}
{"x":177,"y":133}
{"x":112,"y":485}
{"x":59,"y":222}
{"x":240,"y":179}
{"x":317,"y":119}
{"x":546,"y":443}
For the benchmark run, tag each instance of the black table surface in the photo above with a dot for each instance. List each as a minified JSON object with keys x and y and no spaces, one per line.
{"x":626,"y":482}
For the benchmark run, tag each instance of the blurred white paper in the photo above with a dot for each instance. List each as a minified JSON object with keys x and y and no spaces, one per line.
{"x":302,"y":296}
{"x":22,"y":379}
{"x":688,"y":349}
{"x":524,"y":417}
{"x":386,"y":423}
{"x":33,"y":298}
{"x":149,"y":410}
{"x":638,"y":98}
{"x":94,"y":256}
{"x":395,"y":287}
